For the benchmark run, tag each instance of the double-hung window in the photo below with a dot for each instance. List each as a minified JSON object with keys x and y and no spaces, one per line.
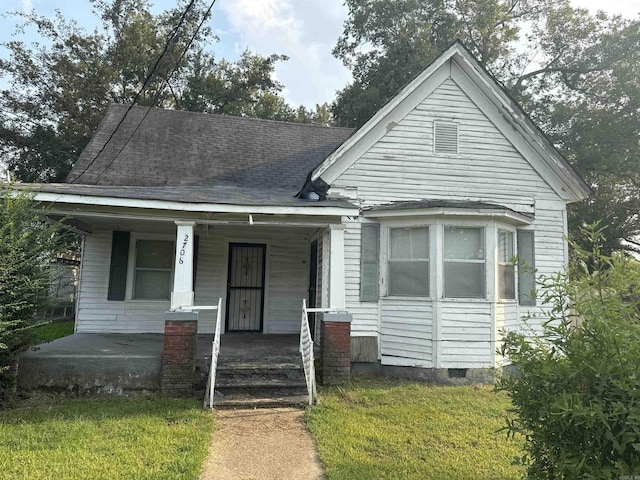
{"x":409,"y":261}
{"x":506,"y":268}
{"x":464,"y":262}
{"x":153,"y":269}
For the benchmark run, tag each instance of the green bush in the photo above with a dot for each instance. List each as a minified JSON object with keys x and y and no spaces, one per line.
{"x":576,"y":389}
{"x":28,"y":241}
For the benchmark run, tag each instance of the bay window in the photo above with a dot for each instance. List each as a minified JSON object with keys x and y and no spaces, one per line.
{"x":409,"y":261}
{"x":464,"y":262}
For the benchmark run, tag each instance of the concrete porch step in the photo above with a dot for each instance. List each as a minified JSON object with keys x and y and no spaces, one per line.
{"x":259,"y":382}
{"x":260,"y":397}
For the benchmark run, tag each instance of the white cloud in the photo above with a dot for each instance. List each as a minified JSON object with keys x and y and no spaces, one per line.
{"x":626,"y":8}
{"x":305,"y":31}
{"x":27,"y":5}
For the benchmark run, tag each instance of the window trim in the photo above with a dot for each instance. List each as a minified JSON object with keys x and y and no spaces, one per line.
{"x":389,"y":260}
{"x":514,"y":245}
{"x":485,"y":228}
{"x":131,"y":268}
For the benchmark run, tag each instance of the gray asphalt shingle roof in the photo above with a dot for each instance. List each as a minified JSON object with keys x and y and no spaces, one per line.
{"x":220,"y":194}
{"x":172,"y":148}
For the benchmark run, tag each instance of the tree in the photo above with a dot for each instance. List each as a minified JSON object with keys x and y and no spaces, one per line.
{"x":27,"y":244}
{"x":575,"y":73}
{"x":60,"y":87}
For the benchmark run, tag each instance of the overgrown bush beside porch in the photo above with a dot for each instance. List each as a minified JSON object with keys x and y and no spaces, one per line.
{"x":27,"y":243}
{"x":576,"y":395}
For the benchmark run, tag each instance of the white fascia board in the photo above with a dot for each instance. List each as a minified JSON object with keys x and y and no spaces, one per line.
{"x":64,"y":198}
{"x":385,"y":119}
{"x":473,"y":80}
{"x":507,"y":216}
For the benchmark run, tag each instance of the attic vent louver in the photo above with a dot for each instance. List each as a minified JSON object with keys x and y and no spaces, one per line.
{"x":445,"y":135}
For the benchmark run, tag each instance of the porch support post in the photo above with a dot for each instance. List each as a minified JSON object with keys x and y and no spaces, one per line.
{"x":335,"y":331}
{"x":336,"y":268}
{"x":182,"y":294}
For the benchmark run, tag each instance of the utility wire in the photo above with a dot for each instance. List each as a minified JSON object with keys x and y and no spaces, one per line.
{"x":170,"y":39}
{"x":164,"y":83}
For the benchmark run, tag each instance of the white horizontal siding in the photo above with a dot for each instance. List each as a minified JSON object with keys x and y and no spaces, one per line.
{"x":365,"y":314}
{"x":406,"y":332}
{"x":402,"y":165}
{"x":465,"y":335}
{"x":287,"y":275}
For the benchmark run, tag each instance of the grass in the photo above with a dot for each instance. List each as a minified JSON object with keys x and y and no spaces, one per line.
{"x":382,"y":428}
{"x":105,"y":439}
{"x":47,"y":332}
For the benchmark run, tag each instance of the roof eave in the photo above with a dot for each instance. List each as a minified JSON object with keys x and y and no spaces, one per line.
{"x":507,"y":215}
{"x":311,"y":210}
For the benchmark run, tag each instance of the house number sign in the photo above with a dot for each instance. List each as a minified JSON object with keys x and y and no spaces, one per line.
{"x":183,"y":249}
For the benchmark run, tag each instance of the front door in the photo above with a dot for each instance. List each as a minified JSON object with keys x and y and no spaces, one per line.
{"x":245,"y":287}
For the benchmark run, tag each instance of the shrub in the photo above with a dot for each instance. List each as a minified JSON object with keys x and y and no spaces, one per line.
{"x":28,"y":241}
{"x":576,"y":391}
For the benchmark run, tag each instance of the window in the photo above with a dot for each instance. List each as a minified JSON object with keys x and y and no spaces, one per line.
{"x":445,"y":137}
{"x":464,"y":259}
{"x":506,"y":268}
{"x":153,"y":267}
{"x":409,"y":261}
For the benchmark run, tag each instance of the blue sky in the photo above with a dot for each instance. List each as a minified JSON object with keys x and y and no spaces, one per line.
{"x":304,"y":30}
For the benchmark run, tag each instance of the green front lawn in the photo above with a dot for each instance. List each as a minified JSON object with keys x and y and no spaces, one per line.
{"x":105,"y":439}
{"x":390,"y":429}
{"x":47,"y":332}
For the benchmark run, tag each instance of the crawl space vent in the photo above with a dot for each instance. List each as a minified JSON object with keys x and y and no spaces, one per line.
{"x":445,"y":136}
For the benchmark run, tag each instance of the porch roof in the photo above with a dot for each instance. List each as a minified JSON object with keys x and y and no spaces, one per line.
{"x":213,"y":199}
{"x":446,"y":207}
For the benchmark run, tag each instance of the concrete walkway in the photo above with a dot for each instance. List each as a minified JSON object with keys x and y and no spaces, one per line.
{"x":268,"y":444}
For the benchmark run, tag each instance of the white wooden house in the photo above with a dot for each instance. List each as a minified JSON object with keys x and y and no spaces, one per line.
{"x":409,"y":224}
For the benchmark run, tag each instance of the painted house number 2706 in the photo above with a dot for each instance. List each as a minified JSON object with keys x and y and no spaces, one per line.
{"x":183,"y":249}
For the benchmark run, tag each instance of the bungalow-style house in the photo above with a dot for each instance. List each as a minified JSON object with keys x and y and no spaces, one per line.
{"x":407,"y":227}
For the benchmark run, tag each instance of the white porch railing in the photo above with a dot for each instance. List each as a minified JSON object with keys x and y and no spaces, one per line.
{"x":306,"y":350}
{"x":215,"y":350}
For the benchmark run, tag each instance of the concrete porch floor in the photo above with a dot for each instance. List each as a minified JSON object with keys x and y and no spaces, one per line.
{"x":121,"y":363}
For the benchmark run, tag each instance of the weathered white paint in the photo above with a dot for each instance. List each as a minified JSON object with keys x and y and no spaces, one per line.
{"x":401,"y":166}
{"x":457,"y":63}
{"x":182,"y":294}
{"x":287,"y":274}
{"x":62,"y":198}
{"x":336,"y":268}
{"x":406,"y":336}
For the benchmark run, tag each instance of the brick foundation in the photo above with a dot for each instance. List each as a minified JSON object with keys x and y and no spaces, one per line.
{"x":179,"y":353}
{"x":335,"y":349}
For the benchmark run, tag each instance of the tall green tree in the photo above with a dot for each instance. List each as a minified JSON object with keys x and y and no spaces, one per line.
{"x":574,"y":72}
{"x":60,"y":87}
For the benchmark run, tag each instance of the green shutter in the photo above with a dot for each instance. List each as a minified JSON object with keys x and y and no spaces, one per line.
{"x":527,"y":265}
{"x":369,"y":258}
{"x":119,"y":265}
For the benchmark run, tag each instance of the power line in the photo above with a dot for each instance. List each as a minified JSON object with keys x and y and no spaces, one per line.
{"x":162,"y":86}
{"x":171,"y":37}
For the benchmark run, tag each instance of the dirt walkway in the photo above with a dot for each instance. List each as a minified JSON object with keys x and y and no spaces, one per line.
{"x":262,"y":445}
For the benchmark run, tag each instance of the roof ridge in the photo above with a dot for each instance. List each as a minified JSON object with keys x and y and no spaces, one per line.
{"x":235,"y":117}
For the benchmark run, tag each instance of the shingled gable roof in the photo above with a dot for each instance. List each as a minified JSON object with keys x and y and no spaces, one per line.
{"x":459,"y":63}
{"x":173,"y":148}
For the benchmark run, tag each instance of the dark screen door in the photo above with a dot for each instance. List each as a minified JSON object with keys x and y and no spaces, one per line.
{"x":313,"y":285}
{"x":245,"y":287}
